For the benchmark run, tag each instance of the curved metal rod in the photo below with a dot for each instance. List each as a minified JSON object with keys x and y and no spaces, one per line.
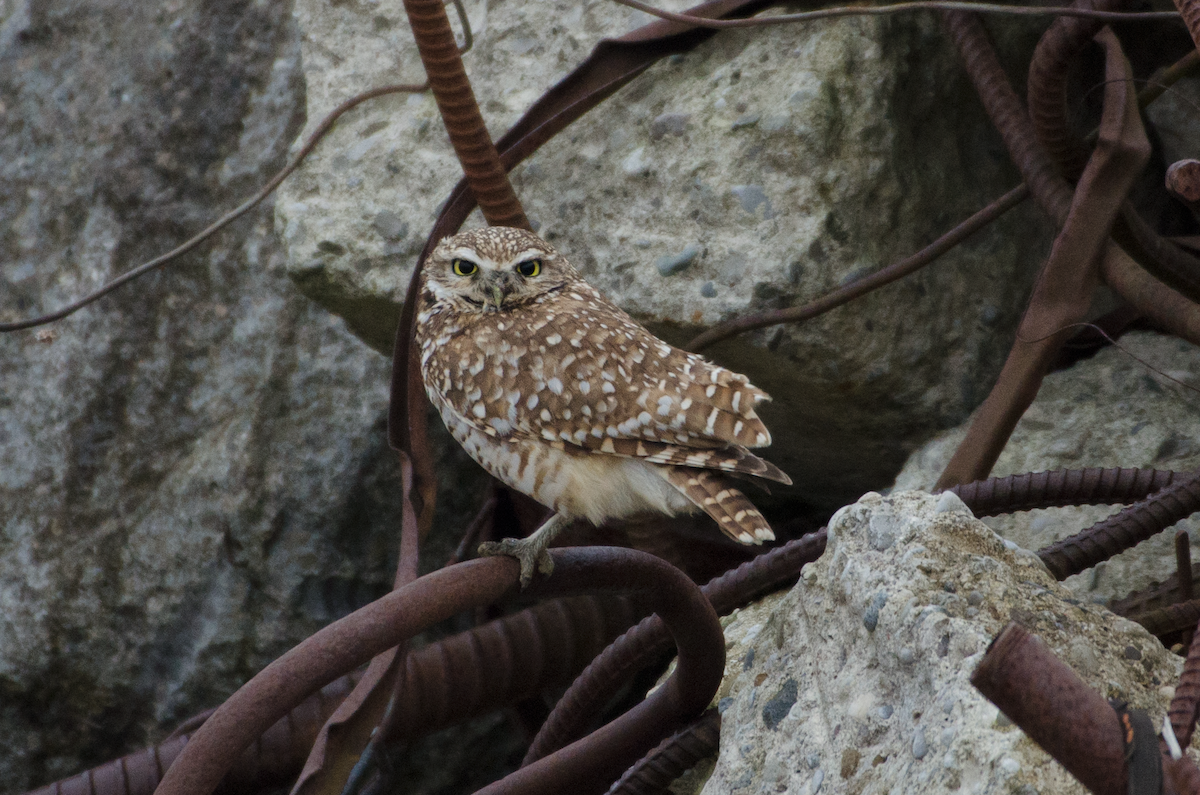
{"x":633,"y":650}
{"x":339,"y":647}
{"x":1124,"y":530}
{"x":356,"y":638}
{"x":673,"y":757}
{"x":1062,"y":487}
{"x":591,"y":764}
{"x":917,"y":5}
{"x":272,"y":761}
{"x":1046,"y":94}
{"x":983,"y":67}
{"x":1185,"y":706}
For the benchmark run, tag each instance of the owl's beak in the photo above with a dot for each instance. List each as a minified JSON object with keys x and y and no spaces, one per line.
{"x":496,"y":287}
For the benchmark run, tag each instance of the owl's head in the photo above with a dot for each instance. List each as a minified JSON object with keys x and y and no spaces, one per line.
{"x":494,"y":269}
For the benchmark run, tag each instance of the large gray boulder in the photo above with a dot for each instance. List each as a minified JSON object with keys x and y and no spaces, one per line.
{"x":858,"y":679}
{"x":764,"y":169}
{"x":193,"y":472}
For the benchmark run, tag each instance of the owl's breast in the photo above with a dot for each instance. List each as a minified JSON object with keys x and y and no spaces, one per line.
{"x":578,"y":484}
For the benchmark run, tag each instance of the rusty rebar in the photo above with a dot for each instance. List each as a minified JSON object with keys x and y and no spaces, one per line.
{"x":1124,"y":530}
{"x":1062,"y":487}
{"x":1164,"y":260}
{"x":979,"y":59}
{"x":1049,"y":702}
{"x":384,"y":623}
{"x":1185,"y":706}
{"x":1152,"y":597}
{"x":271,"y":761}
{"x":1063,"y":290}
{"x":341,"y":646}
{"x":648,"y":640}
{"x":506,"y":660}
{"x":1190,"y":11}
{"x":494,"y":664}
{"x":1165,"y":620}
{"x":1183,"y":180}
{"x":594,"y":762}
{"x":1046,"y":91}
{"x":674,"y":756}
{"x":1167,"y":308}
{"x":460,"y":113}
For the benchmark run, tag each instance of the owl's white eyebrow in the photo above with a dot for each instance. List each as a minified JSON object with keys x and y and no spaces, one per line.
{"x":466,"y":253}
{"x":530,"y":253}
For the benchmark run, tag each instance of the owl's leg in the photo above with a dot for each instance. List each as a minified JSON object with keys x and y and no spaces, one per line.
{"x":529,"y":551}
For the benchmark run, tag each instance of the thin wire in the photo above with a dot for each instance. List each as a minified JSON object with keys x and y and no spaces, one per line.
{"x":874,"y":281}
{"x":897,"y":8}
{"x":1116,"y":345}
{"x":468,"y":36}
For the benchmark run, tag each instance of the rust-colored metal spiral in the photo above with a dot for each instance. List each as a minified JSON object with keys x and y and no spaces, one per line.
{"x":674,"y":756}
{"x":1169,"y":619}
{"x":1190,"y":11}
{"x":1062,"y":487}
{"x":1124,"y":530}
{"x":1185,"y":706}
{"x":1183,"y":775}
{"x":448,"y":681}
{"x":979,"y":59}
{"x":272,"y":761}
{"x":506,"y":661}
{"x":649,"y":639}
{"x":1057,"y":50}
{"x":1158,"y":595}
{"x":460,"y":112}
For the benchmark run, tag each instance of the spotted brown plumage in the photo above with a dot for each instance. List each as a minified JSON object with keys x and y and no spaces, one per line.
{"x":560,"y":394}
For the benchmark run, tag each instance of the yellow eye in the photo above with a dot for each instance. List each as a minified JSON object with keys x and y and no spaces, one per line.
{"x":530,"y":268}
{"x":463,"y":267}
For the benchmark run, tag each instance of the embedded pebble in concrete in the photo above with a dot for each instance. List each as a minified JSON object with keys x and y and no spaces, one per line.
{"x":670,"y":264}
{"x":751,"y":197}
{"x":708,"y":290}
{"x":744,"y":121}
{"x":879,"y":645}
{"x":919,"y":748}
{"x":669,"y":124}
{"x":871,"y":614}
{"x":636,"y":164}
{"x":777,"y":708}
{"x":881,"y":533}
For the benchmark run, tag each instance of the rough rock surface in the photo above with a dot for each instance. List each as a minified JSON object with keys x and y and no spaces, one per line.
{"x":857,"y":680}
{"x":1107,"y":411}
{"x":193,"y":473}
{"x":764,"y":169}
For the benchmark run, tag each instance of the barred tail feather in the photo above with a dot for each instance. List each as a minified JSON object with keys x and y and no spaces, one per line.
{"x":712,"y":493}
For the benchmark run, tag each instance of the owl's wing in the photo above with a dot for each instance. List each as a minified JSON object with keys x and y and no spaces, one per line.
{"x":581,"y":374}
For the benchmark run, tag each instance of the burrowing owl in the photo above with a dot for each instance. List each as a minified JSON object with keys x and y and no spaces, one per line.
{"x":561,"y":395}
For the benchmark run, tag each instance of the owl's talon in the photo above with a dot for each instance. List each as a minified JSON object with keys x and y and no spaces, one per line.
{"x":528,"y":552}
